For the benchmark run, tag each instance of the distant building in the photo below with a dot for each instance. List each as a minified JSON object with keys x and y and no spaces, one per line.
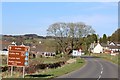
{"x":105,"y":48}
{"x":98,"y":48}
{"x":3,"y":52}
{"x":4,"y":44}
{"x":114,"y":46}
{"x":48,"y":54}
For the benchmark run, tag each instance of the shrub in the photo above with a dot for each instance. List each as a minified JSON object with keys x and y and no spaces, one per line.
{"x":32,"y":68}
{"x":5,"y":68}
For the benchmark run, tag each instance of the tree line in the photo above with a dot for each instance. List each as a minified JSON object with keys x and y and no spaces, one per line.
{"x":115,"y":37}
{"x":69,"y":36}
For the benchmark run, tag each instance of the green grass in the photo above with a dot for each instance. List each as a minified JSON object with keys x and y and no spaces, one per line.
{"x":38,"y":60}
{"x":49,"y":73}
{"x":62,"y":70}
{"x":114,"y":59}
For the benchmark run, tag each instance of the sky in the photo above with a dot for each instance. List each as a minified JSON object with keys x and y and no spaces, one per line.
{"x":19,"y":18}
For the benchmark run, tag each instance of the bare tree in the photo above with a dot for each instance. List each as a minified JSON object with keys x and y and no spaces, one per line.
{"x":67,"y":35}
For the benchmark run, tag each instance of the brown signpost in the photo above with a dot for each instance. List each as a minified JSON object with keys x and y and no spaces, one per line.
{"x":18,"y":56}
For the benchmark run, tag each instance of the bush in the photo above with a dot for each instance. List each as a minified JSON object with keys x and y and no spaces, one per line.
{"x":3,"y":69}
{"x":32,"y":68}
{"x":42,"y":66}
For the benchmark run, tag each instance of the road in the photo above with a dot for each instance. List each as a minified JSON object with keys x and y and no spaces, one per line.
{"x":95,"y":68}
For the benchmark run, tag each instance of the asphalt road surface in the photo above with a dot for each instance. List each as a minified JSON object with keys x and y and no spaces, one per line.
{"x":95,"y":68}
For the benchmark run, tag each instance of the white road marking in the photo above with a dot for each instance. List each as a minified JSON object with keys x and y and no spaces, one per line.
{"x":101,"y":71}
{"x":99,"y":77}
{"x":102,"y":68}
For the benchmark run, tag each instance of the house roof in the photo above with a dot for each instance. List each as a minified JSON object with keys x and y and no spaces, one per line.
{"x":98,"y":45}
{"x":104,"y":44}
{"x":42,"y":48}
{"x":114,"y":47}
{"x":111,"y":45}
{"x":4,"y":44}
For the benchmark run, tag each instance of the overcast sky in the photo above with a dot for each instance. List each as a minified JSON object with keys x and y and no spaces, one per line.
{"x":35,"y":17}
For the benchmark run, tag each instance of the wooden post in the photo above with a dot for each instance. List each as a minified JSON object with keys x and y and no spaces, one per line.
{"x":23,"y":71}
{"x":11,"y":70}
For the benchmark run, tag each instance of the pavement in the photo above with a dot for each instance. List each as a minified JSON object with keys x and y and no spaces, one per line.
{"x":95,"y":69}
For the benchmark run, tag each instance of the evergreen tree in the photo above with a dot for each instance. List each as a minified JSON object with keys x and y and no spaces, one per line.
{"x":104,"y":40}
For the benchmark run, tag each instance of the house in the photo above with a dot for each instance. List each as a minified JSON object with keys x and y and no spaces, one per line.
{"x":111,"y":46}
{"x":48,"y":54}
{"x":98,"y":48}
{"x":4,"y":44}
{"x":114,"y":46}
{"x":3,"y":52}
{"x":40,"y":50}
{"x":105,"y":48}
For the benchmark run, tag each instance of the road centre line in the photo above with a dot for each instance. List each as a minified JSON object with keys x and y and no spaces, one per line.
{"x":99,"y":77}
{"x":101,"y":70}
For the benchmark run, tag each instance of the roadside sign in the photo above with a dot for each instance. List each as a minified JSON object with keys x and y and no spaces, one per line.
{"x":18,"y":55}
{"x":76,"y":53}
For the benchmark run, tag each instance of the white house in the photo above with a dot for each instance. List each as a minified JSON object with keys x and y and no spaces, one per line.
{"x":98,"y":48}
{"x":3,"y":52}
{"x":105,"y":47}
{"x":48,"y":54}
{"x":114,"y":46}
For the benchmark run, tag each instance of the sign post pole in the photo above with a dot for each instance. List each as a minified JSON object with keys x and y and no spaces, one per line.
{"x":18,"y":56}
{"x":23,"y":71}
{"x":11,"y":70}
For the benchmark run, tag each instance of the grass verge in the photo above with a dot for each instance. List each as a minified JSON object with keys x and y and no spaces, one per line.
{"x":52,"y":73}
{"x":108,"y":57}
